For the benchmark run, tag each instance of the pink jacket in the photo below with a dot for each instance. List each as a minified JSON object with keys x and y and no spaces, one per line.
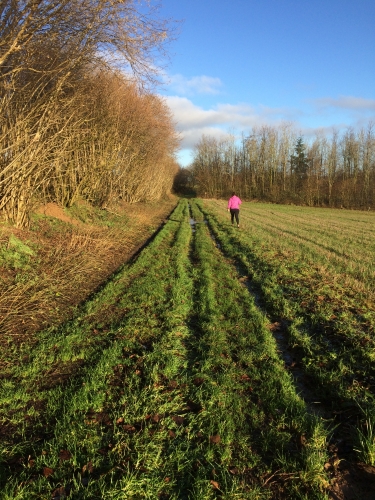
{"x":234,"y":202}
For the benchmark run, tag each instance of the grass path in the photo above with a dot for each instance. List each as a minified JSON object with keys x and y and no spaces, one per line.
{"x":166,"y":384}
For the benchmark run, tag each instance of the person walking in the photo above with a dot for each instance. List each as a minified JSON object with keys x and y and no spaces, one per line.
{"x":234,"y":203}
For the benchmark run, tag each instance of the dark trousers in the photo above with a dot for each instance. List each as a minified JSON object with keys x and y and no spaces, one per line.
{"x":234,"y":213}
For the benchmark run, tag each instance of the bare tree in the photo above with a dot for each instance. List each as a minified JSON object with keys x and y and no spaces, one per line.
{"x":47,"y":51}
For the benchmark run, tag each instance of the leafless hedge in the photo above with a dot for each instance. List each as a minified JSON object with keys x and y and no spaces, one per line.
{"x":72,"y":125}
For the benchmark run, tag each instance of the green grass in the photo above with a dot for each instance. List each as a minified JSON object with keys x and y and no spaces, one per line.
{"x":166,"y":384}
{"x":313,"y":276}
{"x":16,"y":254}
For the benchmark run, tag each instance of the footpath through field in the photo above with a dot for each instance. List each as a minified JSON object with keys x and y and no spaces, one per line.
{"x":168,"y":384}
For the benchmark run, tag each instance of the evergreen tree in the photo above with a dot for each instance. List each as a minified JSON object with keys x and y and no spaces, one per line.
{"x":299,"y":161}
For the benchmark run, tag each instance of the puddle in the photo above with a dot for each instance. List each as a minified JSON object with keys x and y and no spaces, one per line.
{"x":217,"y":244}
{"x":192,"y":223}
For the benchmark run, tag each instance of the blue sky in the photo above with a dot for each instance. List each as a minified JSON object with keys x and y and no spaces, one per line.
{"x":237,"y":64}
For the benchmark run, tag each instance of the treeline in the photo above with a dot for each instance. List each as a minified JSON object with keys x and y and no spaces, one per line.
{"x":277,"y":165}
{"x":72,"y":124}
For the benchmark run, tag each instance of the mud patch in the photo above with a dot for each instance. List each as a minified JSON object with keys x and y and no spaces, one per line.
{"x":60,"y":374}
{"x":53,"y":210}
{"x":353,"y":482}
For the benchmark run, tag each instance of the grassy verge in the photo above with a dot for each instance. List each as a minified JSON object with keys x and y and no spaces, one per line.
{"x":48,"y":270}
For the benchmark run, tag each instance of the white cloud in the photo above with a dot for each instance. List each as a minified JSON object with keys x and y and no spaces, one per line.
{"x":350,"y":103}
{"x":195,"y":85}
{"x":218,"y":121}
{"x":193,"y":121}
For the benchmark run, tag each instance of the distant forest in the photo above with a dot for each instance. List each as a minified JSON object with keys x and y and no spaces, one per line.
{"x":77,"y":117}
{"x":276,"y":164}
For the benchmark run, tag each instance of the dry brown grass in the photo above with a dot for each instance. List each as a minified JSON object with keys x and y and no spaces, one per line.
{"x":71,"y":261}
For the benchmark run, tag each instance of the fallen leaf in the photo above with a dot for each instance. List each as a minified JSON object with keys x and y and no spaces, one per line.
{"x":47,"y":471}
{"x":88,"y":468}
{"x":178,"y":420}
{"x":129,"y":428}
{"x":215,"y":484}
{"x":215,"y":439}
{"x":59,"y":493}
{"x":65,"y":455}
{"x":198,"y":381}
{"x":194,"y":407}
{"x":274,"y":327}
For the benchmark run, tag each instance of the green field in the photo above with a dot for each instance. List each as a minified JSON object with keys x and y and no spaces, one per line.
{"x":220,"y":363}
